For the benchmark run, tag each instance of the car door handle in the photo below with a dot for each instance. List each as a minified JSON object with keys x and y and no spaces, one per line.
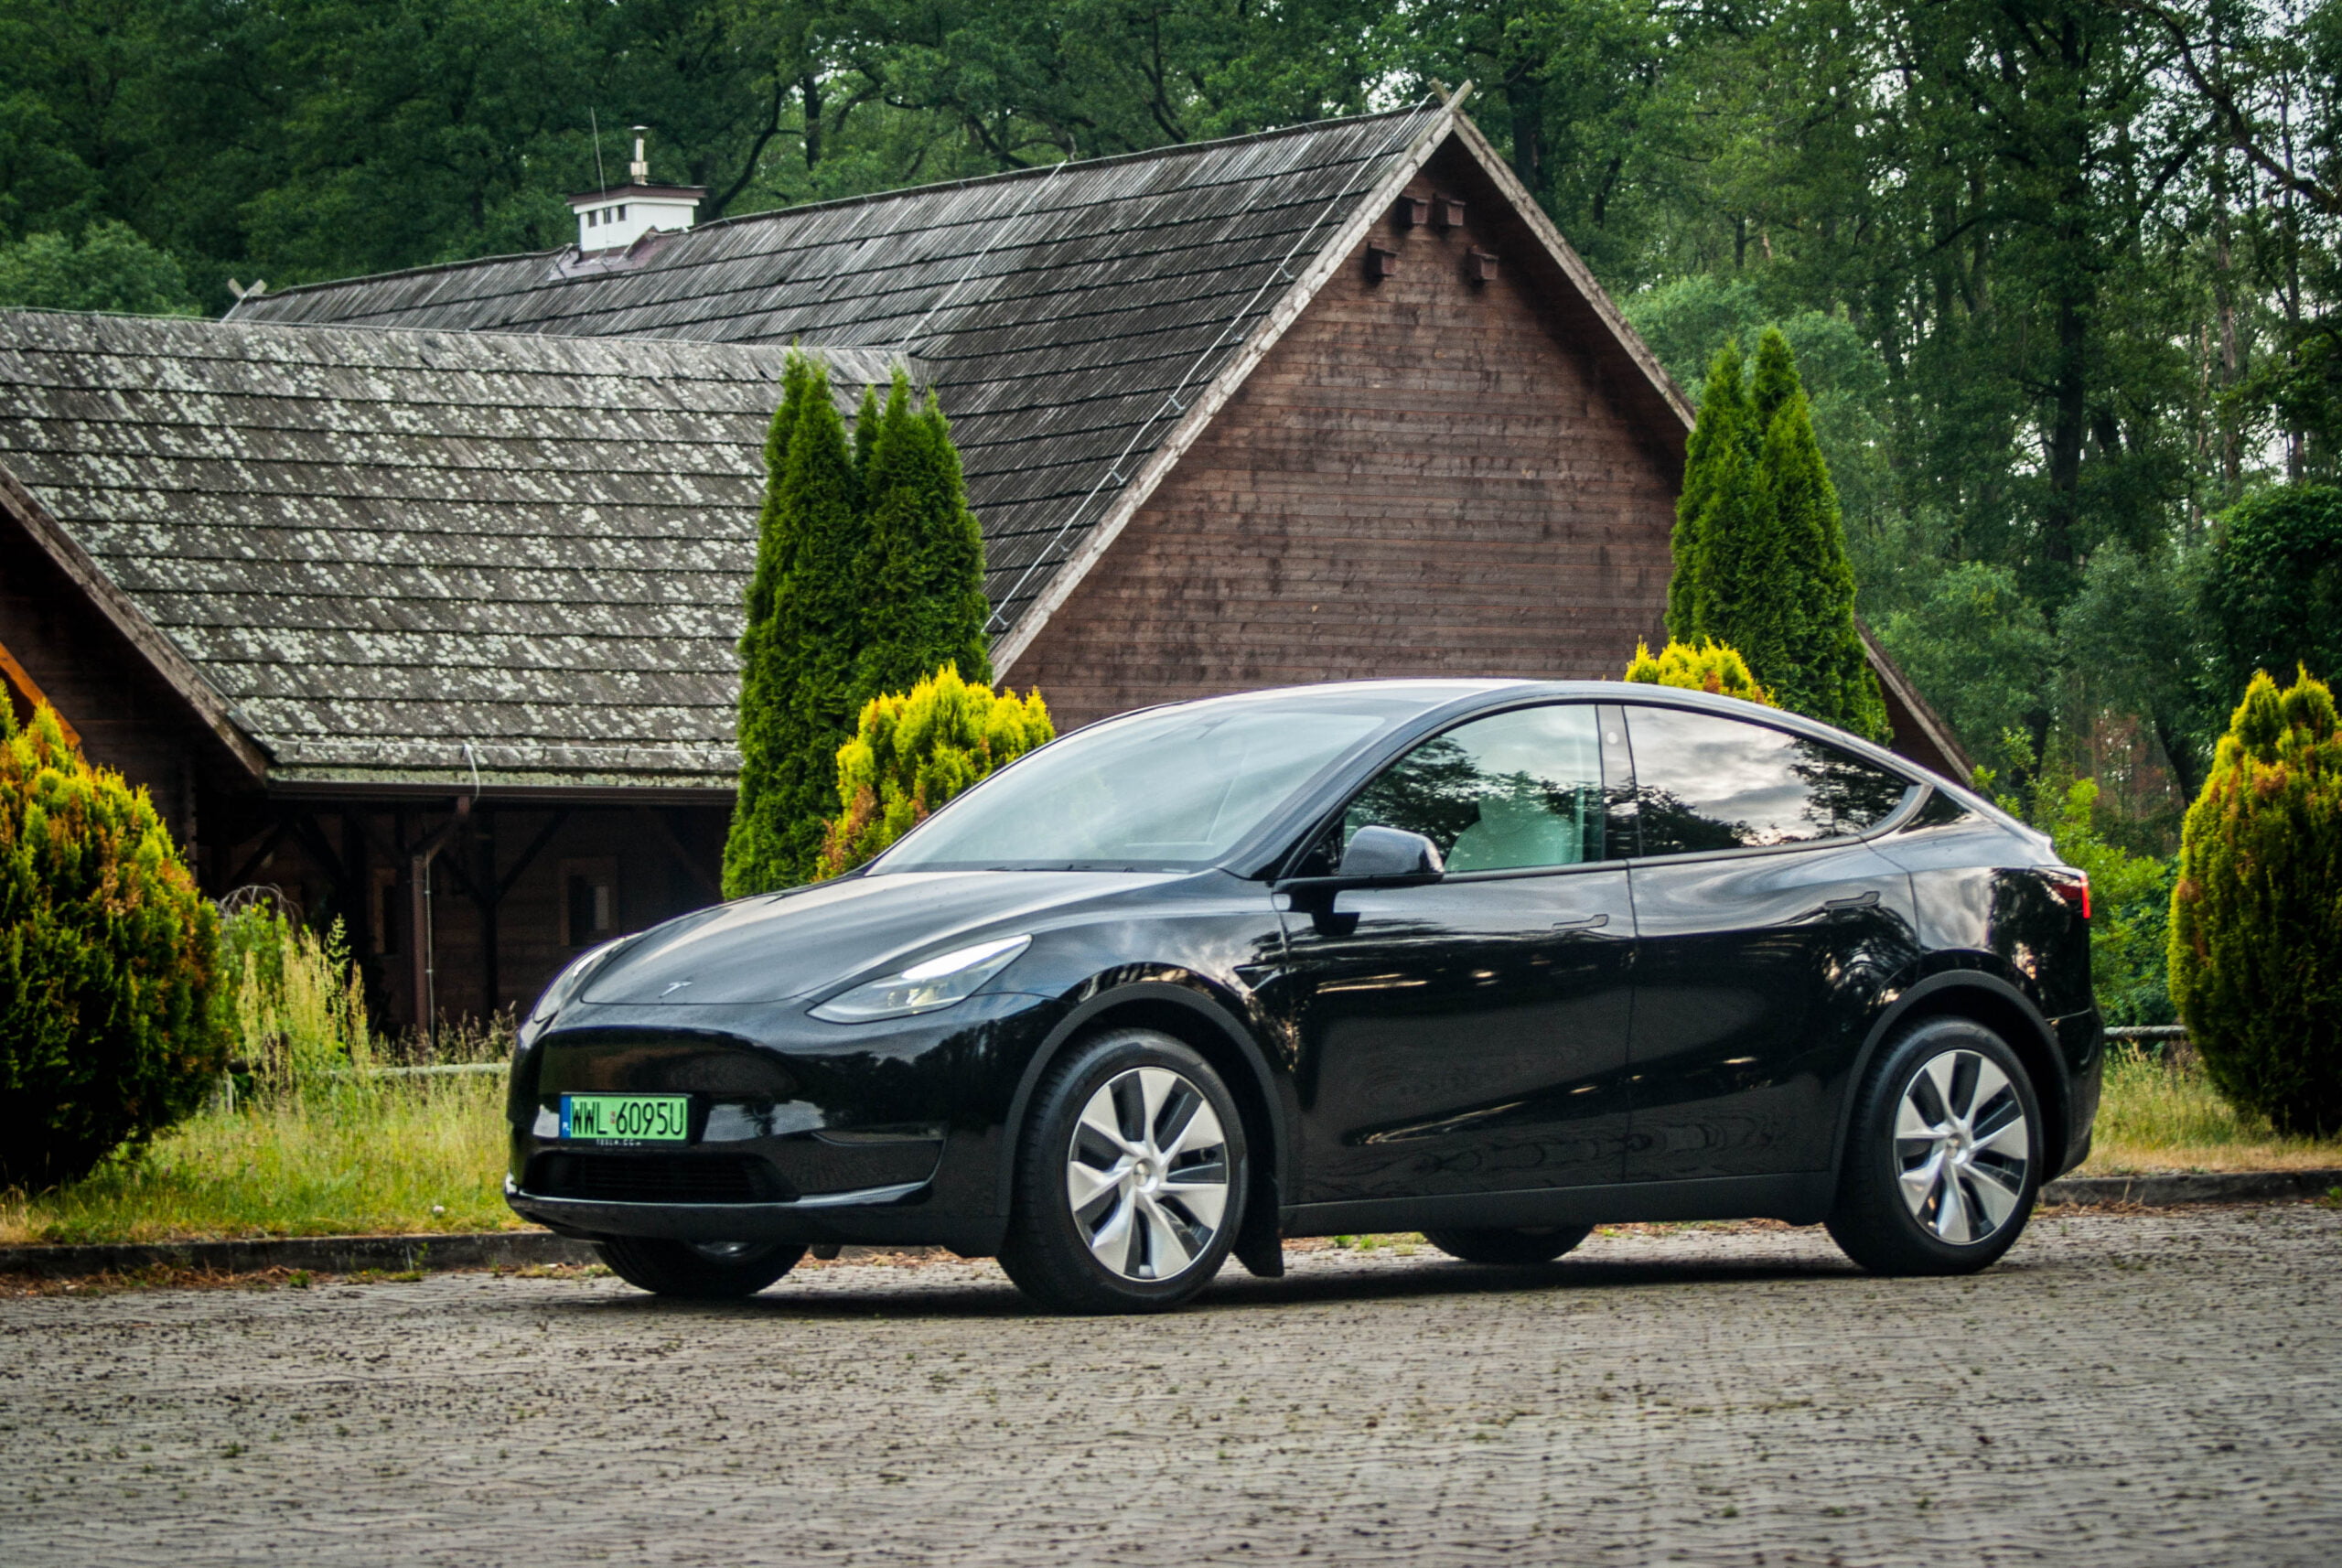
{"x":1860,"y":901}
{"x":1582,"y":923}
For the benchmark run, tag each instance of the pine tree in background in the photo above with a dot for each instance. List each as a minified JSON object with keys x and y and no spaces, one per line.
{"x":1761,"y":561}
{"x":923,"y":558}
{"x":799,"y":649}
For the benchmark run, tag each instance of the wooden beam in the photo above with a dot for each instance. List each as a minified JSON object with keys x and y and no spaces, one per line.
{"x":29,"y":691}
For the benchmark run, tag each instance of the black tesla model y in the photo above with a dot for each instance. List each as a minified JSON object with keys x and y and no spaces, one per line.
{"x":1493,"y":960}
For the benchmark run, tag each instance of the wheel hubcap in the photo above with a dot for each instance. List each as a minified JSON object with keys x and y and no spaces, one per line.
{"x":1963,"y":1146}
{"x":1147,"y":1173}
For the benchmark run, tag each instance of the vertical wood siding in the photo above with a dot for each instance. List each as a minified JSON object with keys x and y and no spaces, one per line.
{"x":1426,"y":476}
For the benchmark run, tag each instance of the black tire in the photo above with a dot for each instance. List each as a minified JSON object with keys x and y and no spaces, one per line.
{"x":1948,"y":1201}
{"x":1139,"y":1214}
{"x":698,"y":1271}
{"x":1538,"y":1244}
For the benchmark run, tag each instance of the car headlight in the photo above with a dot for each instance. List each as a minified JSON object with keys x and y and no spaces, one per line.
{"x":924,"y":987}
{"x":569,"y":982}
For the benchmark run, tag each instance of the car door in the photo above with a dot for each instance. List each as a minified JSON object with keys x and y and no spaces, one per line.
{"x":1470,"y":1036}
{"x":1766,"y":932}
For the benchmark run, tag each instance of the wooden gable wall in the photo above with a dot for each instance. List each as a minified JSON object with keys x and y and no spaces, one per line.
{"x":1427,"y":475}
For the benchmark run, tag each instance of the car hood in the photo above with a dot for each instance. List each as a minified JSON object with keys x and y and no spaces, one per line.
{"x":780,"y":946}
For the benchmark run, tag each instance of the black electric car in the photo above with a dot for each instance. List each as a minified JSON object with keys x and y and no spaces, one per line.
{"x":1493,"y":960}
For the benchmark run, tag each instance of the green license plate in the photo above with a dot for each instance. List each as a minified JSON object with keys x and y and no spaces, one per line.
{"x":626,"y":1118}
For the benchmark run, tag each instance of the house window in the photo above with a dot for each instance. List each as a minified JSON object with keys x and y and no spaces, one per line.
{"x":621,"y":212}
{"x":589,"y":902}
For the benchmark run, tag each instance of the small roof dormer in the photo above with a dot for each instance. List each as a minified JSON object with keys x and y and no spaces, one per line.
{"x":615,"y":217}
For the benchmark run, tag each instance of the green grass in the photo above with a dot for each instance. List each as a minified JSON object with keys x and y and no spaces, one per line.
{"x":385,"y":1156}
{"x":410,"y":1155}
{"x":2161,"y":1116}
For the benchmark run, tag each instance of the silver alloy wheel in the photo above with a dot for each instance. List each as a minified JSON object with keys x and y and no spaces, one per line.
{"x":1147,"y":1173}
{"x":1963,"y":1146}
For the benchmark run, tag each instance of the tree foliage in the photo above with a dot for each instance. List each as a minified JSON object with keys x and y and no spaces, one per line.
{"x":868,"y":564}
{"x":1760,"y":552}
{"x":110,"y":269}
{"x":1707,"y":667}
{"x":915,"y":750}
{"x":922,"y":561}
{"x":111,"y":1017}
{"x":2274,"y":594}
{"x":2256,"y":928}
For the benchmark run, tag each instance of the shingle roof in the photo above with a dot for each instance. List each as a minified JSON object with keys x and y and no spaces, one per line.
{"x":378,"y":545}
{"x":1069,"y":313}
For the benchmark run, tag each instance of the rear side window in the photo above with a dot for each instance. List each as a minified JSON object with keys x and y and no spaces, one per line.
{"x":1514,"y":791}
{"x":1707,"y":783}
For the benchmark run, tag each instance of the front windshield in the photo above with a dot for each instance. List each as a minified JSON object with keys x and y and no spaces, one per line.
{"x":1174,"y":790}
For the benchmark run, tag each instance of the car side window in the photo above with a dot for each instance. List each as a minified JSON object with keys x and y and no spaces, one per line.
{"x":1705,"y":782}
{"x":1514,"y":791}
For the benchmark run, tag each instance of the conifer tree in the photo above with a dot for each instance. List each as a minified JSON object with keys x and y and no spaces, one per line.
{"x":1761,"y":561}
{"x":1715,"y":446}
{"x":799,"y":649}
{"x":768,"y":674}
{"x":923,"y":557}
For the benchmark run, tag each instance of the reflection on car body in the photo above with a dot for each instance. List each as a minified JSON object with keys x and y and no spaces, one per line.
{"x":1492,"y":960}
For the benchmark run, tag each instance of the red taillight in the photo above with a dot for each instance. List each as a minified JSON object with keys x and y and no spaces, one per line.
{"x":2073,"y":887}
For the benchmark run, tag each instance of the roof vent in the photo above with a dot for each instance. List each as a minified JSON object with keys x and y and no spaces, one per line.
{"x":616,"y":216}
{"x":1449,"y":213}
{"x":1479,"y":267}
{"x":1412,"y":212}
{"x":1381,"y":260}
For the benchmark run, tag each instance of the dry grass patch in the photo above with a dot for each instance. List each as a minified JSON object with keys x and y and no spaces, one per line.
{"x":2161,"y":1113}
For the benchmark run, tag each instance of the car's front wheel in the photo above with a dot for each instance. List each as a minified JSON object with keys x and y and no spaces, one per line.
{"x":698,"y":1271}
{"x":1539,"y":1244}
{"x":1130,"y":1179}
{"x":1943,"y":1158}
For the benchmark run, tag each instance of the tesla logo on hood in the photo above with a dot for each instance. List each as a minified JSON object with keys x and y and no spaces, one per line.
{"x":672,"y":987}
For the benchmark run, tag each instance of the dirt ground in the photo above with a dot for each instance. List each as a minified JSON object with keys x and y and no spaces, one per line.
{"x":2123,"y":1388}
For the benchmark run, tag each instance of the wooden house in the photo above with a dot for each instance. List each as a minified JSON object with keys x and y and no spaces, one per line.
{"x":437,"y":575}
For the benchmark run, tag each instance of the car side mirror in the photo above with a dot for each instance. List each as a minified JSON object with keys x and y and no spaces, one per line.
{"x":1376,"y":852}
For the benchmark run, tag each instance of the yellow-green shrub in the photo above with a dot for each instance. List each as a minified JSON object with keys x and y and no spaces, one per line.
{"x":2256,"y":915}
{"x":296,"y":1007}
{"x":111,"y":1025}
{"x":915,"y":750}
{"x":1710,"y":667}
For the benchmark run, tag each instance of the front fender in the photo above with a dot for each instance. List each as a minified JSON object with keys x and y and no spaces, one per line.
{"x":1128,"y":992}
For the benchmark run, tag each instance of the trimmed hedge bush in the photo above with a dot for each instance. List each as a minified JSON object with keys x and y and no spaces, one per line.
{"x":2256,"y":915}
{"x":916,"y":750}
{"x":1711,"y":666}
{"x":111,"y":1022}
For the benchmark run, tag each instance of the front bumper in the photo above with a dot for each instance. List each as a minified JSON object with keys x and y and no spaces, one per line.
{"x":799,"y":1131}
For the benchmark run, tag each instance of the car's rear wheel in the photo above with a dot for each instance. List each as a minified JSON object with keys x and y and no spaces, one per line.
{"x":698,"y":1271}
{"x":1537,"y":1245}
{"x":1130,"y":1179}
{"x":1943,"y":1158}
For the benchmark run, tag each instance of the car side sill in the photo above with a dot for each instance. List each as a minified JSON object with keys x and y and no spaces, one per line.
{"x":1800,"y":1197}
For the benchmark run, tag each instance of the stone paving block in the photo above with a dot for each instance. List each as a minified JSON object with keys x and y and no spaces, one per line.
{"x":2121,"y":1389}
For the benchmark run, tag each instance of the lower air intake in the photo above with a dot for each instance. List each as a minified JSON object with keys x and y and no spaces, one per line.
{"x":656,"y":1178}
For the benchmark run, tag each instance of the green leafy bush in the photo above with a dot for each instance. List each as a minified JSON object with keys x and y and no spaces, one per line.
{"x":297,"y":1005}
{"x":112,"y":268}
{"x":1711,"y":666}
{"x":2274,"y":595}
{"x":111,"y":1024}
{"x":2131,"y":918}
{"x":2256,"y":916}
{"x":915,"y":751}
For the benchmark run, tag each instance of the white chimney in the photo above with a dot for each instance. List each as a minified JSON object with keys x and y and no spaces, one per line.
{"x":616,"y":217}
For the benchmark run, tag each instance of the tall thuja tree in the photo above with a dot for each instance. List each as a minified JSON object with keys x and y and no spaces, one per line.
{"x":1761,"y":560}
{"x":1716,"y":492}
{"x":1827,"y":672}
{"x":922,"y":562}
{"x":798,"y":651}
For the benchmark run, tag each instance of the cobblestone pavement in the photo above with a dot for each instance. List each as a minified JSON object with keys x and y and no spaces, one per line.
{"x":2142,"y":1389}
